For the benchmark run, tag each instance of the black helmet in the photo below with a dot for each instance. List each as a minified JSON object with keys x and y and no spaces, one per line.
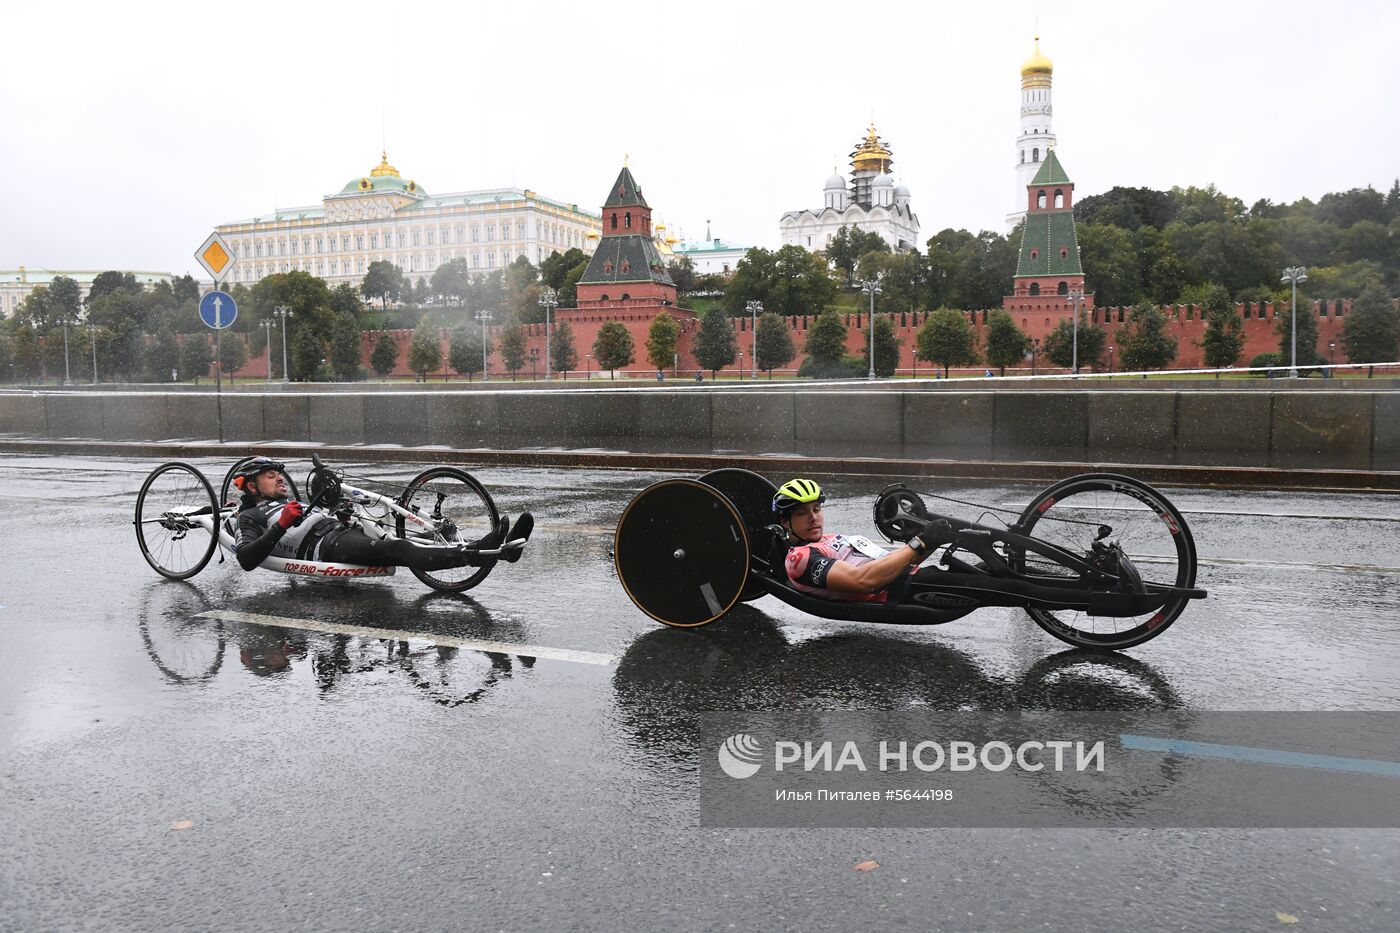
{"x":251,"y":467}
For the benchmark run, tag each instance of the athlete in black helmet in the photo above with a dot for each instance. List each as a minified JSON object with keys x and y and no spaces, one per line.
{"x":268,"y":523}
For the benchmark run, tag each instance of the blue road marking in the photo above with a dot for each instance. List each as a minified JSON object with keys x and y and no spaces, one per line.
{"x":1266,"y":756}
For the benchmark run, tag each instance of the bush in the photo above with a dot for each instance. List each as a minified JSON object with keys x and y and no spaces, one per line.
{"x":1268,"y":359}
{"x":848,"y":367}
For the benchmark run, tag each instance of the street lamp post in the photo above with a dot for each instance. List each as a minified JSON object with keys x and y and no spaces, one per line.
{"x":92,"y":332}
{"x":1075,"y":297}
{"x":1293,"y":275}
{"x":872,"y":288}
{"x":284,"y":312}
{"x":484,"y":316}
{"x":1110,"y":357}
{"x":534,"y":363}
{"x":67,"y":377}
{"x":267,"y":345}
{"x":755,"y":308}
{"x":549,"y":299}
{"x":1035,"y":348}
{"x":588,"y":367}
{"x":1331,"y":357}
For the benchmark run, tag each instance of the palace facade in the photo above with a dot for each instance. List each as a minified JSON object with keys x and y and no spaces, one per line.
{"x":383,"y":216}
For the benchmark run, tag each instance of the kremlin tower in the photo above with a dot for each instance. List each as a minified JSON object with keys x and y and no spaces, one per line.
{"x":626,"y":265}
{"x":1036,"y":139}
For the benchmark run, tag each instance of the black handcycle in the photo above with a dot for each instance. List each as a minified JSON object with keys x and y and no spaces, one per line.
{"x":1098,"y":560}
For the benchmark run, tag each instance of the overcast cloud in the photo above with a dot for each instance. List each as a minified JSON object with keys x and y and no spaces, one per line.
{"x":132,"y":129}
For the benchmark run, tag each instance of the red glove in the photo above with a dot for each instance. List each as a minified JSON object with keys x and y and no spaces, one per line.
{"x":289,"y":514}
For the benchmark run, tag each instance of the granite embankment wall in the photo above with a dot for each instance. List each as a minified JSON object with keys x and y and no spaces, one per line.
{"x":1299,"y":429}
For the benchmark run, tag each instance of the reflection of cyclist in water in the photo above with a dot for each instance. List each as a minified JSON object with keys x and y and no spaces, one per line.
{"x":268,"y":525}
{"x":842,"y":567}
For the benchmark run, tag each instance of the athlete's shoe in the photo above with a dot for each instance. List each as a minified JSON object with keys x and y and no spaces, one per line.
{"x":519,"y":534}
{"x":492,"y":540}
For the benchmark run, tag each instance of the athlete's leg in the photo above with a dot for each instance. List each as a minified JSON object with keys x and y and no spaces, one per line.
{"x":356,"y":547}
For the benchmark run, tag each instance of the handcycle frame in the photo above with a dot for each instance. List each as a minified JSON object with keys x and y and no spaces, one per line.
{"x":727,"y":512}
{"x":329,"y":494}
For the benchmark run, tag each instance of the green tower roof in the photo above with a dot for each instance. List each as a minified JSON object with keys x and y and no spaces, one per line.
{"x":1051,"y":172}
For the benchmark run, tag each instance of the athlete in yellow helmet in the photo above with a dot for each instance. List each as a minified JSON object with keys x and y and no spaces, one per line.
{"x":835,"y":566}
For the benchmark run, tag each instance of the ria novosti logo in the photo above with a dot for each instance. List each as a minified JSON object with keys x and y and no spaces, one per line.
{"x":739,"y":755}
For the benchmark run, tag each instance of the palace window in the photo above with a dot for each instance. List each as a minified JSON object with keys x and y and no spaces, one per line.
{"x":360,"y":241}
{"x":1035,"y":288}
{"x":374,"y":241}
{"x":1062,"y":288}
{"x":318,"y":244}
{"x":417,"y":238}
{"x":432,"y":238}
{"x":401,"y":239}
{"x":345,"y":244}
{"x":359,"y":265}
{"x":476,"y":260}
{"x":281,"y":247}
{"x":476,"y":233}
{"x":520,"y":230}
{"x":306,"y":245}
{"x":490,"y":233}
{"x":461,"y":234}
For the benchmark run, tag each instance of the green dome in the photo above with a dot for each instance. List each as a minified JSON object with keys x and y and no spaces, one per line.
{"x":382,"y":183}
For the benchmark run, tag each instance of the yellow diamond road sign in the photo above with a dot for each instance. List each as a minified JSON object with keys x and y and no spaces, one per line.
{"x":215,"y":256}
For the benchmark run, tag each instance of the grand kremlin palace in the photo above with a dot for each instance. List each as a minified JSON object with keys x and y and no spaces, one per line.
{"x":383,"y":216}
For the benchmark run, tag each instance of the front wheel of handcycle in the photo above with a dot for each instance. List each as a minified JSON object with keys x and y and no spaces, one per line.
{"x":456,"y":508}
{"x":176,"y":518}
{"x":1073,"y":514}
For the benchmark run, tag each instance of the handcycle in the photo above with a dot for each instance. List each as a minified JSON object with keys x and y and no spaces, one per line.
{"x":180,"y":522}
{"x":1098,"y":560}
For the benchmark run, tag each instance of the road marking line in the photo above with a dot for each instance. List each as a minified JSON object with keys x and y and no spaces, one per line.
{"x":1268,"y":756}
{"x":471,"y":644}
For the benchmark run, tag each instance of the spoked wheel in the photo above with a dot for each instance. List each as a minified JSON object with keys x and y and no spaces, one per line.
{"x":176,"y":515}
{"x":1073,"y":514}
{"x":228,"y":483}
{"x":456,"y":508}
{"x":752,"y":497}
{"x":682,"y":553}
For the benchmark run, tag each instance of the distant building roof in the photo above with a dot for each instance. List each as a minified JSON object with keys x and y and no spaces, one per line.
{"x":709,"y":246}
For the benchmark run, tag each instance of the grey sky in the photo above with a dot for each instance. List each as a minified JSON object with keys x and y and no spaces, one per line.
{"x":132,"y":129}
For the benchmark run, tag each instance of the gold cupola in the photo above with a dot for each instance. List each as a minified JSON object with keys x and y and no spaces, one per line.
{"x":1037,"y":64}
{"x":384,"y":168}
{"x":872,"y":154}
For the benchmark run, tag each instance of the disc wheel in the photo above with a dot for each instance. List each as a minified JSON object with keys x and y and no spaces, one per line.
{"x":172,"y":539}
{"x":682,"y":553}
{"x":228,"y":483}
{"x":752,"y":497}
{"x":459,"y":509}
{"x":1072,"y":515}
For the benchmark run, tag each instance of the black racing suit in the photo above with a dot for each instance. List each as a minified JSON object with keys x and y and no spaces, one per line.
{"x":325,"y":538}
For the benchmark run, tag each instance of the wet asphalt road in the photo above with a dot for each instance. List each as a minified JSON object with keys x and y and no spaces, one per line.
{"x":350,"y":782}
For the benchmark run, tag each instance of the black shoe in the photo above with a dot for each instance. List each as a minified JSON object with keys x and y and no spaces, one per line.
{"x":492,"y":540}
{"x":519,"y":534}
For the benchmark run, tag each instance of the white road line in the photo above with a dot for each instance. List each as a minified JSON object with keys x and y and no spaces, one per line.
{"x":471,"y":644}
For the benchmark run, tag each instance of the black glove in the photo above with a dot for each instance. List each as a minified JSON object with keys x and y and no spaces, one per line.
{"x":931,"y":535}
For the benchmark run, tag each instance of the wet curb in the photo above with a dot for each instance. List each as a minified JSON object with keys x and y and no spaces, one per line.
{"x":967,"y":470}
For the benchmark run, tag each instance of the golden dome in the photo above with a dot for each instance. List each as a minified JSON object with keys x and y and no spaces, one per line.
{"x":591,"y":235}
{"x":871,"y":154}
{"x":384,"y":168}
{"x":660,"y":226}
{"x":1037,"y":64}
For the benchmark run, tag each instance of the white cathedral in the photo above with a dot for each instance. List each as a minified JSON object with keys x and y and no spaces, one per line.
{"x":872,"y":202}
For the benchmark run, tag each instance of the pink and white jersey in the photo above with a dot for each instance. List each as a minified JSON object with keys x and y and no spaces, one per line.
{"x":809,"y":564}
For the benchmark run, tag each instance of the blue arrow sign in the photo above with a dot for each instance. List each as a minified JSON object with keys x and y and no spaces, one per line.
{"x":218,"y":310}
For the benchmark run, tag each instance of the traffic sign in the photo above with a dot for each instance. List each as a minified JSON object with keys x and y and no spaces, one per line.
{"x":218,"y":310}
{"x":216,"y":257}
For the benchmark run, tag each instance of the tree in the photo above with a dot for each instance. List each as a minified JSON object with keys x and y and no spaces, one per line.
{"x":788,"y":281}
{"x":1059,"y":344}
{"x":65,"y":300}
{"x":383,"y":280}
{"x":775,"y":347}
{"x":24,"y":352}
{"x":886,"y":348}
{"x":682,"y":272}
{"x":613,"y":347}
{"x":849,"y":244}
{"x":826,"y":339}
{"x":162,"y":357}
{"x":385,"y":355}
{"x":424,"y":350}
{"x":6,"y":361}
{"x":233,"y":353}
{"x":307,"y":353}
{"x":345,"y":349}
{"x":452,"y":279}
{"x":465,"y":352}
{"x":1007,"y":344}
{"x":522,"y":292}
{"x":195,"y":357}
{"x":555,"y":267}
{"x":1111,"y":270}
{"x":947,"y":339}
{"x":345,"y":302}
{"x":1371,"y":333}
{"x":1223,"y":341}
{"x":563,"y":350}
{"x":1144,"y":342}
{"x":662,"y":338}
{"x":107,"y":283}
{"x":513,"y":349}
{"x":715,"y":344}
{"x":184,"y":289}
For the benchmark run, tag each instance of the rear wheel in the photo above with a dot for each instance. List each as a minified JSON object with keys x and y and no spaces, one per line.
{"x":456,"y":508}
{"x":169,"y":530}
{"x":1072,"y":514}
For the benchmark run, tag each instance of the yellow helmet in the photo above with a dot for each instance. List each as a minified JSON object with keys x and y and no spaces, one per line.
{"x":796,"y":492}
